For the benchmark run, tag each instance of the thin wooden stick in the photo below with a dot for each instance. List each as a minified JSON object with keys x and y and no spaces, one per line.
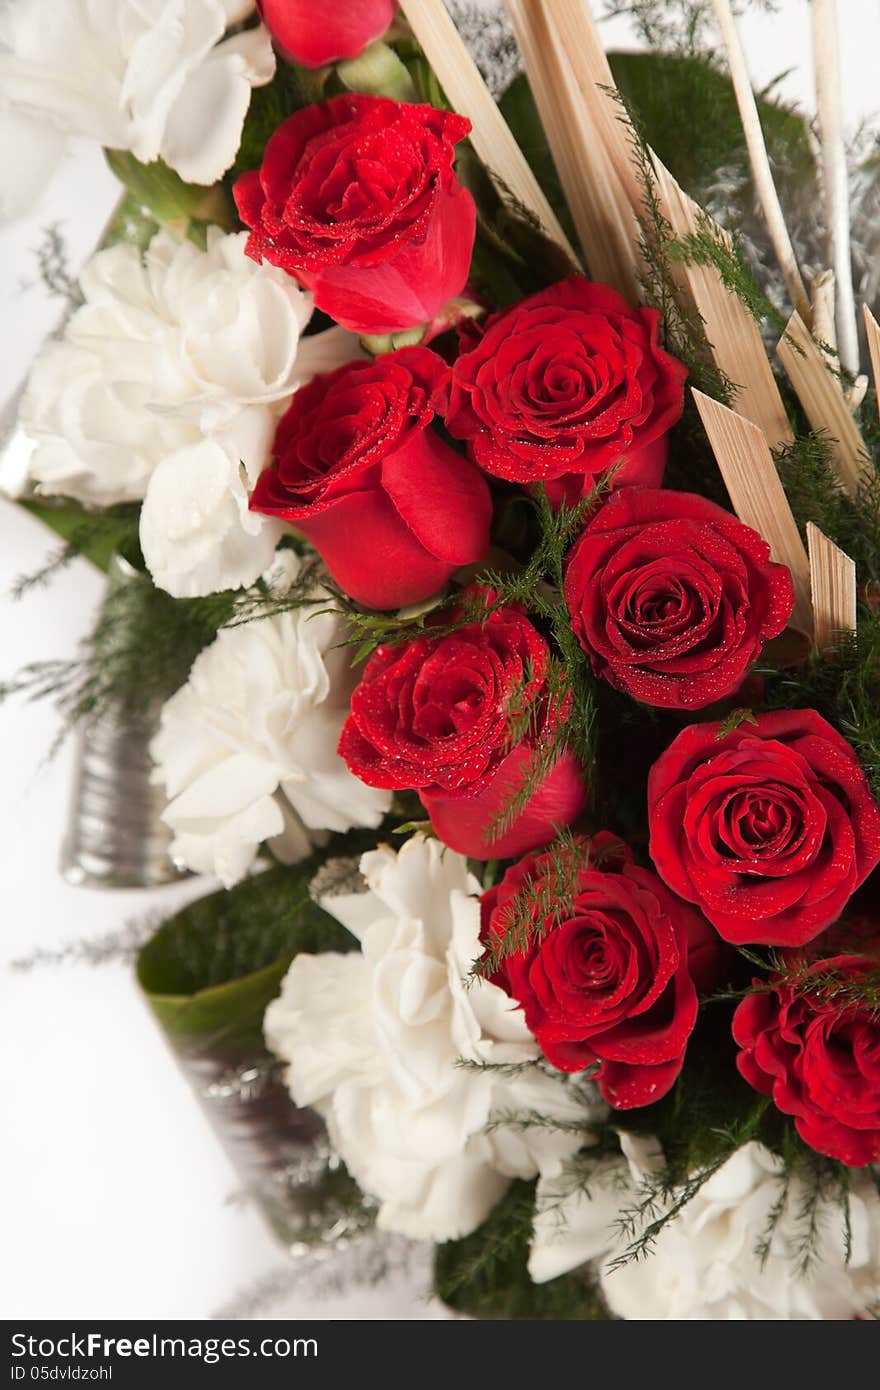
{"x":872,"y":330}
{"x":751,"y":479}
{"x":732,"y":332}
{"x":467,"y":92}
{"x":835,"y":181}
{"x":760,"y":163}
{"x":573,"y":23}
{"x":605,"y":224}
{"x":833,"y":585}
{"x":822,"y":399}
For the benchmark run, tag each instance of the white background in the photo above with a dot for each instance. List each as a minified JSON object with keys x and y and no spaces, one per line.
{"x":115,"y":1199}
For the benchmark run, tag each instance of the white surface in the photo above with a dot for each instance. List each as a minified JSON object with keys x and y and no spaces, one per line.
{"x":114,"y":1195}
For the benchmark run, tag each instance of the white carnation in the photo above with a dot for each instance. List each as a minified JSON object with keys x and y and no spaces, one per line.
{"x":706,"y":1263}
{"x":375,"y":1041}
{"x":156,"y":77}
{"x":197,"y":534}
{"x":172,"y":351}
{"x":246,"y":749}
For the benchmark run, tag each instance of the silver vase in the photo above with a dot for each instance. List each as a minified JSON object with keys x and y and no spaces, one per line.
{"x":115,"y":835}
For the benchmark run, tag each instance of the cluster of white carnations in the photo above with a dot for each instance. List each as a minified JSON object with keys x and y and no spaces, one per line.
{"x":422,"y":1073}
{"x":246,"y":749}
{"x":163,"y":80}
{"x":167,"y":386}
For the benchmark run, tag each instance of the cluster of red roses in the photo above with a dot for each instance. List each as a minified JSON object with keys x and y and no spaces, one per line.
{"x":757,"y":835}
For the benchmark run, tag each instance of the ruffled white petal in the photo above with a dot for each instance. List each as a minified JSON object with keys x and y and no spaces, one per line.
{"x":228,"y":750}
{"x":159,"y":79}
{"x":382,"y":1061}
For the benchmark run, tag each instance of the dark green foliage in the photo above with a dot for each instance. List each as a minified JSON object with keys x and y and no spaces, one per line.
{"x":236,"y":931}
{"x":291,"y":89}
{"x":844,"y":686}
{"x":211,"y":970}
{"x":486,"y":1274}
{"x":660,"y":86}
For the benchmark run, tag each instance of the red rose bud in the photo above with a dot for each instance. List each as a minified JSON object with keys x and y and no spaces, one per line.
{"x":608,"y":977}
{"x":565,"y":385}
{"x":769,"y":829}
{"x":672,"y":597}
{"x":357,"y":198}
{"x":357,"y":468}
{"x":816,"y":1052}
{"x":437,"y":716}
{"x":313,"y":34}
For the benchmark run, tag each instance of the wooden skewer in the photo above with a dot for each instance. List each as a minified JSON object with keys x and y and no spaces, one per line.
{"x":758,"y":498}
{"x":759,"y":161}
{"x":467,"y":92}
{"x":732,"y":332}
{"x":822,"y":399}
{"x":835,"y":181}
{"x":872,"y":329}
{"x":833,"y":587}
{"x":606,"y":227}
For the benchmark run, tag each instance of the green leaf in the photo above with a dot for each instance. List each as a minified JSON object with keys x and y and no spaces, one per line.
{"x":156,"y":187}
{"x":211,"y":970}
{"x":378,"y":71}
{"x":660,"y":86}
{"x":734,"y":720}
{"x":97,"y":536}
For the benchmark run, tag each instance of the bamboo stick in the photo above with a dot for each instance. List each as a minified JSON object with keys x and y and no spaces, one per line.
{"x":759,"y":161}
{"x":733,"y":335}
{"x":833,"y":587}
{"x":751,"y":479}
{"x":822,"y":399}
{"x":605,"y":224}
{"x":835,"y":181}
{"x":467,"y":92}
{"x":872,"y":330}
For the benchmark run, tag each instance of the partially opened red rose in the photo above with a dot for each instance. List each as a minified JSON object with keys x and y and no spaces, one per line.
{"x":818,"y":1056}
{"x":437,"y":715}
{"x":358,"y":469}
{"x":672,"y":597}
{"x":564,"y":385}
{"x":357,"y":198}
{"x":609,"y":974}
{"x":313,"y":34}
{"x":769,"y":829}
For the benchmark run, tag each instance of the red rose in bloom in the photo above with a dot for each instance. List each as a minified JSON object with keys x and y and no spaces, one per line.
{"x":358,"y":470}
{"x":769,"y":829}
{"x":357,"y":198}
{"x":431,"y":716}
{"x":312,"y":34}
{"x":672,"y":597}
{"x":613,"y":981}
{"x":564,"y":385}
{"x":818,"y":1056}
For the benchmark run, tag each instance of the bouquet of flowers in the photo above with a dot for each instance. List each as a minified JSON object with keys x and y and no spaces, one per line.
{"x":511,"y":618}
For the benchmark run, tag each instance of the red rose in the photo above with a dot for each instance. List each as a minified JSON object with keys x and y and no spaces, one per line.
{"x":434,"y":716}
{"x":672,"y":597}
{"x":357,"y":198}
{"x":313,"y":35}
{"x":564,"y":385}
{"x":359,"y":471}
{"x":608,"y":975}
{"x":818,"y":1056}
{"x":769,"y":830}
